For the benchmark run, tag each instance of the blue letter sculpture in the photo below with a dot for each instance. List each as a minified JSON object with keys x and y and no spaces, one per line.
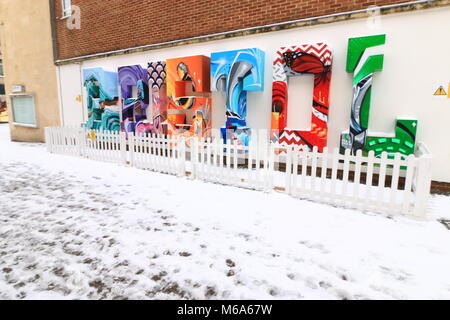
{"x":102,"y":95}
{"x":237,"y":72}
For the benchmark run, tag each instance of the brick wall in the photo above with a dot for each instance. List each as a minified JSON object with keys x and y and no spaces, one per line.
{"x":118,"y":24}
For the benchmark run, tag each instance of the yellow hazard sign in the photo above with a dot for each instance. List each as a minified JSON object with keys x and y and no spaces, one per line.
{"x":440,"y":91}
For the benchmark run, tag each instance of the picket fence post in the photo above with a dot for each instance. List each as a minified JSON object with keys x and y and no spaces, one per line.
{"x":194,"y":157}
{"x":181,"y":155}
{"x":423,"y":185}
{"x":271,"y":166}
{"x":131,"y":147}
{"x":288,"y":169}
{"x":48,"y":143}
{"x":410,"y":168}
{"x":80,"y":141}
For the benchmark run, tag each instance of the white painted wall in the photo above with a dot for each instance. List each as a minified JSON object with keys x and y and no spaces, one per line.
{"x":71,"y":88}
{"x":416,"y":58}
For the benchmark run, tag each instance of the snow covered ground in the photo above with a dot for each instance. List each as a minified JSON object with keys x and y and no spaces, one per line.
{"x":72,"y":228}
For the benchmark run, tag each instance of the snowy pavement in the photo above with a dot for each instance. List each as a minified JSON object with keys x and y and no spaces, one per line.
{"x":72,"y":228}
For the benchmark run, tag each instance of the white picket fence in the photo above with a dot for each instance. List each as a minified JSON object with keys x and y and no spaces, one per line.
{"x":314,"y":176}
{"x":388,"y":186}
{"x":231,"y":163}
{"x":157,"y":153}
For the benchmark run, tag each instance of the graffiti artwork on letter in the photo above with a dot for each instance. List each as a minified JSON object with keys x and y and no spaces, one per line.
{"x":364,"y":57}
{"x":143,"y":110}
{"x":236,"y":72}
{"x":293,"y":61}
{"x":188,"y":92}
{"x":135,"y":99}
{"x":102,"y":99}
{"x":158,"y":96}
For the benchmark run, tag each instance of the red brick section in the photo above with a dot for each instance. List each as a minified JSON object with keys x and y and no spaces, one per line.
{"x":119,"y":24}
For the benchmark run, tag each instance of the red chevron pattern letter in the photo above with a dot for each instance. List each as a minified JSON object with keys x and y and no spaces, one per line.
{"x":293,"y":61}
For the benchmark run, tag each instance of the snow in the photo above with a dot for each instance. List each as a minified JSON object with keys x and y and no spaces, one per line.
{"x":72,"y":228}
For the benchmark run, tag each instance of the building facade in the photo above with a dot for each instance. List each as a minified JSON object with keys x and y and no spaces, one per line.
{"x":376,"y":77}
{"x":29,"y":69}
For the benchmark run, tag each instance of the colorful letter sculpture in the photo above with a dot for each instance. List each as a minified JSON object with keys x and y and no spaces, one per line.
{"x":237,"y":72}
{"x":101,"y":88}
{"x":174,"y":97}
{"x":364,"y":57}
{"x":293,"y":61}
{"x":189,"y":101}
{"x":135,"y":99}
{"x":135,"y":81}
{"x":157,"y":84}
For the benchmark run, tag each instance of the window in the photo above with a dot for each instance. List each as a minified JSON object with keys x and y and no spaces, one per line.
{"x":2,"y":89}
{"x":67,"y":8}
{"x":1,"y":68}
{"x":23,"y":110}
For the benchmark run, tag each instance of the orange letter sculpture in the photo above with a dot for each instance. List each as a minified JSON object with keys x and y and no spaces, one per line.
{"x":189,"y":101}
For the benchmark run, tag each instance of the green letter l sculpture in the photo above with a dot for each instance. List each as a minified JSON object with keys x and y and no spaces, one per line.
{"x":364,"y":57}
